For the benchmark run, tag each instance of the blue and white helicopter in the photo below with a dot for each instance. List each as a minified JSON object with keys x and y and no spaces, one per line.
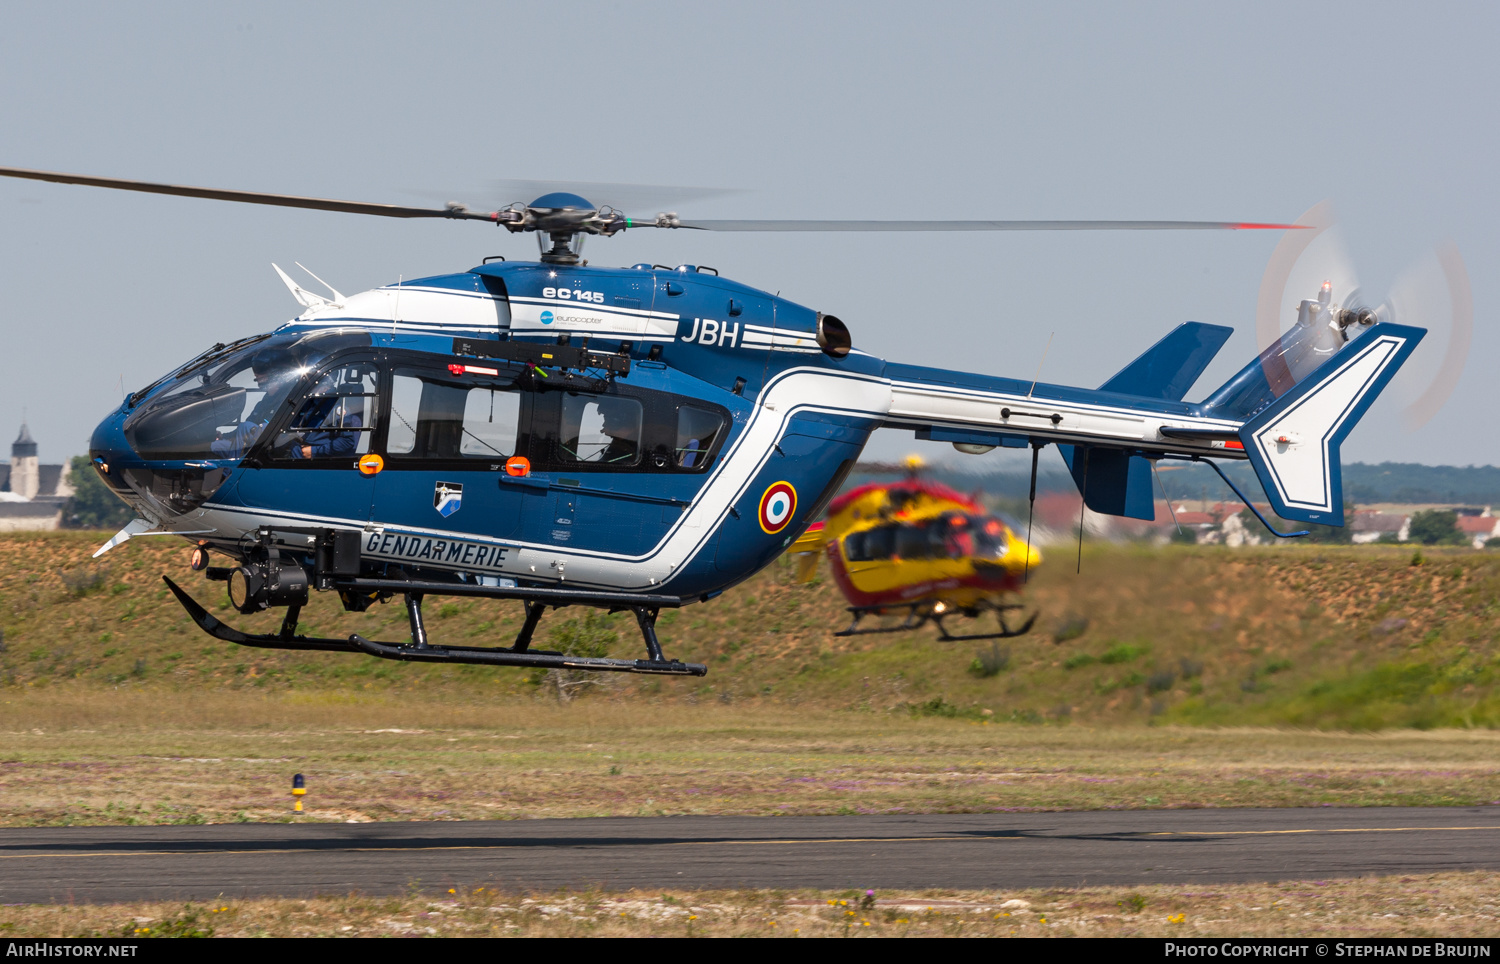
{"x":637,"y":438}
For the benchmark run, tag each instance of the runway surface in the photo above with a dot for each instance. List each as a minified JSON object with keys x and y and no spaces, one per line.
{"x":967,"y":851}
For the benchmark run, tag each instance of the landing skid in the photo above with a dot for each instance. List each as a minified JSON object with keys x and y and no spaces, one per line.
{"x":920,"y":614}
{"x":420,"y":650}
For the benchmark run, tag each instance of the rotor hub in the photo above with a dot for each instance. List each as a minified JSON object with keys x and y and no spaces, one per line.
{"x":561,"y":220}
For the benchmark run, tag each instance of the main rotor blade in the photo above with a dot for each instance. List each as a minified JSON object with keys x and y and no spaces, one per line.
{"x":980,"y":226}
{"x":249,"y":197}
{"x":1268,"y":320}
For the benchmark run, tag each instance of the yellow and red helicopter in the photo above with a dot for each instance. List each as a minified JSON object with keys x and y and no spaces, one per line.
{"x":921,"y":551}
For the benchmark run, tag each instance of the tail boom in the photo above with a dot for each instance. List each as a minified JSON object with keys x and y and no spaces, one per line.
{"x":1292,"y":442}
{"x":983,"y":410}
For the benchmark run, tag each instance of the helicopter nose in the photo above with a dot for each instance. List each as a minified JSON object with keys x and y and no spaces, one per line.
{"x":162,"y":490}
{"x":110,"y":453}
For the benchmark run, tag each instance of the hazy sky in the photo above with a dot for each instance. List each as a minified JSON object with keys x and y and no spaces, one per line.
{"x":932,"y":110}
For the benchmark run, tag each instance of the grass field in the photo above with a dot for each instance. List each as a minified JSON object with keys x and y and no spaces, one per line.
{"x":1308,"y":636}
{"x":214,"y":758}
{"x":1451,"y":906}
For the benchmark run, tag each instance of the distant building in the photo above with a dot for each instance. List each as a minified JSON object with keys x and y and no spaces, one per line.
{"x":1057,"y":515}
{"x":32,"y":495}
{"x":1371,"y":526}
{"x":1478,"y":526}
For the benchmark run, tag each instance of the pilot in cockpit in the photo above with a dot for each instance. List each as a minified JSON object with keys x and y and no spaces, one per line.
{"x":329,"y":422}
{"x":273,"y":369}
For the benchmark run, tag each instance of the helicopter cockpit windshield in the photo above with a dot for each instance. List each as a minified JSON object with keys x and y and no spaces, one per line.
{"x":217,"y":408}
{"x":955,"y":535}
{"x":213,"y":410}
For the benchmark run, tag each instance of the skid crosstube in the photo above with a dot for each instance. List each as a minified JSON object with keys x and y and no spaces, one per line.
{"x":536,"y":602}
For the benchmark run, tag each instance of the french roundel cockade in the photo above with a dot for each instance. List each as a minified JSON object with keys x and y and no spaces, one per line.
{"x":777,"y":507}
{"x":666,"y":420}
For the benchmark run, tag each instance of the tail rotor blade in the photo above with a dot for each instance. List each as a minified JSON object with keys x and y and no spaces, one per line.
{"x":1460,"y":333}
{"x":1305,"y":260}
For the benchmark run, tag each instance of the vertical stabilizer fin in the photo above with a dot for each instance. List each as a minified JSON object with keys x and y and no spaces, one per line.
{"x":1170,"y":367}
{"x":1118,"y":483}
{"x":1293,"y":443}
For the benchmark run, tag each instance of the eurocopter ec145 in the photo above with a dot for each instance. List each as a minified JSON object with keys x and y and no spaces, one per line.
{"x":637,"y":438}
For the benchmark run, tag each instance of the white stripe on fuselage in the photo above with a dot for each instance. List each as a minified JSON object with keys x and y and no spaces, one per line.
{"x":858,"y":396}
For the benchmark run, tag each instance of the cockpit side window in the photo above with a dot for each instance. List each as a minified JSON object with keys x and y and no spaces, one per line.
{"x":337,"y":418}
{"x":911,"y":542}
{"x":870,"y":545}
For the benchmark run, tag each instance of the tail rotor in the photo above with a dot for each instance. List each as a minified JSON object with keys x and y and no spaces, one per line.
{"x":1434,"y":294}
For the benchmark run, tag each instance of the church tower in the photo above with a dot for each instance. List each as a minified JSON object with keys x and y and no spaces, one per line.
{"x":25,"y":476}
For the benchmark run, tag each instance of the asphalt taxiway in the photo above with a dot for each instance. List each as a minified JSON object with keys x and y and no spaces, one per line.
{"x":962,"y":851}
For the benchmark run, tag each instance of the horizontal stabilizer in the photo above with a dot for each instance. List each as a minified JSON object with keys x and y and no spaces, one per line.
{"x":1293,"y":443}
{"x":1113,"y":482}
{"x":1171,"y":366}
{"x":808,"y":549}
{"x":810,"y":541}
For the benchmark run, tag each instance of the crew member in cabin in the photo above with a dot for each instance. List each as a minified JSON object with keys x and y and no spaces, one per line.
{"x":603,"y":429}
{"x":329,"y":422}
{"x":622,"y":423}
{"x":274,"y":372}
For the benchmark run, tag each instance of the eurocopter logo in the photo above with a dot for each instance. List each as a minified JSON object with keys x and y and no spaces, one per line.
{"x":447,"y":498}
{"x":546,"y":317}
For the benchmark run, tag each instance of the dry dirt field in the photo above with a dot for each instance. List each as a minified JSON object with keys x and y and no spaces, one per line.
{"x":1453,"y":906}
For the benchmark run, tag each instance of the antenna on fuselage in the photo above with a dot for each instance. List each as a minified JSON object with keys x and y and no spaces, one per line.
{"x":336,"y":295}
{"x":1036,"y":451}
{"x":1083,"y":506}
{"x":305,"y":298}
{"x":1040,"y":364}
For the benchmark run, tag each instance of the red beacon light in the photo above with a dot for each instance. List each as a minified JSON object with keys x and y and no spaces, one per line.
{"x":457,"y":370}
